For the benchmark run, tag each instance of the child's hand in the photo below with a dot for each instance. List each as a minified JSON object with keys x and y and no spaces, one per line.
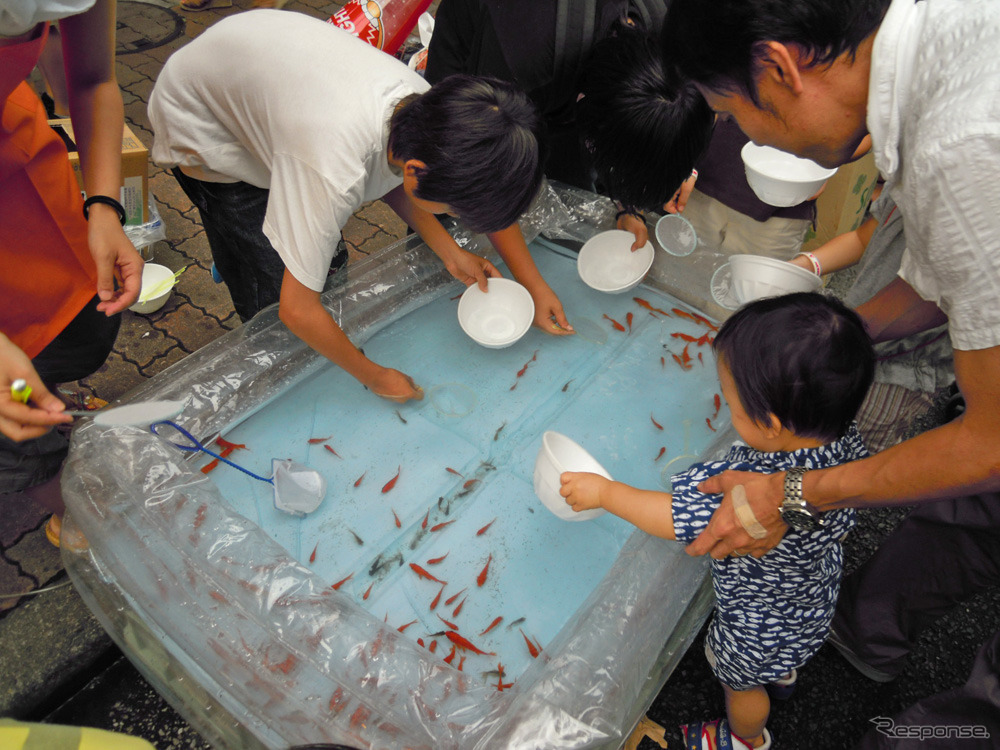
{"x":582,"y":490}
{"x":549,"y":315}
{"x":471,"y":269}
{"x":395,"y":386}
{"x":636,"y":226}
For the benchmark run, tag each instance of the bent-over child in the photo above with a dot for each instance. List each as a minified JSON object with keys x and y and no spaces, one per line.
{"x":279,"y":127}
{"x":793,"y":370}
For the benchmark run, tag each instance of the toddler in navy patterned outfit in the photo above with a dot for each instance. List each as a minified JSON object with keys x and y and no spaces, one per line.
{"x":794,"y":371}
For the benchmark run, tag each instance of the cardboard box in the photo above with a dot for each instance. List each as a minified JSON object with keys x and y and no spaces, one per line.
{"x":135,"y":174}
{"x":842,"y":205}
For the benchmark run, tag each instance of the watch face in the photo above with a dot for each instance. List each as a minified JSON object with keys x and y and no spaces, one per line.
{"x":800,"y":519}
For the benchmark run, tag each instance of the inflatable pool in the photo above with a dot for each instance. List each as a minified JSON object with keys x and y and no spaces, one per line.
{"x":431,"y":601}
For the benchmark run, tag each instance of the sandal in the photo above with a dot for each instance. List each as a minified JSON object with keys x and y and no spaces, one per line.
{"x":781,"y":690}
{"x":698,"y":737}
{"x":53,"y":530}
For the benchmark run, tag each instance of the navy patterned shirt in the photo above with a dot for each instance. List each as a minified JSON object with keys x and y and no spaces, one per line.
{"x":772,"y":613}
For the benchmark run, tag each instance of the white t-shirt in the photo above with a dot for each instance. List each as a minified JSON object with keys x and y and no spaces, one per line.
{"x":292,"y":104}
{"x":934,"y":117}
{"x":20,"y":16}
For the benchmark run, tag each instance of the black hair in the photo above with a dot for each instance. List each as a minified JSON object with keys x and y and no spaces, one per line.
{"x":805,"y":357}
{"x":480,"y":139}
{"x":719,"y":44}
{"x":644,"y":128}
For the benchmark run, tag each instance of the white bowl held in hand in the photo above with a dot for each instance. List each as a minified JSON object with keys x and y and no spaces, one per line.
{"x":606,"y":262}
{"x":780,"y":178}
{"x":558,"y":454}
{"x":499,"y":317}
{"x":157,"y":283}
{"x":756,"y":277}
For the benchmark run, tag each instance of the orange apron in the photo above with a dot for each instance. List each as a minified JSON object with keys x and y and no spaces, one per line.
{"x":46,"y":272}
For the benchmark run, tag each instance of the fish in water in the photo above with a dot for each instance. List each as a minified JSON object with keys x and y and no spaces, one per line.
{"x":392,"y":482}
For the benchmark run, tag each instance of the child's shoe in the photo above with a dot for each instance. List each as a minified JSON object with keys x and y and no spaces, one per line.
{"x":716,"y":735}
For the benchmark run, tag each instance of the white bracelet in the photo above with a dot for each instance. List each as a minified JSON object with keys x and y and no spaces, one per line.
{"x":815,"y":262}
{"x":694,"y":173}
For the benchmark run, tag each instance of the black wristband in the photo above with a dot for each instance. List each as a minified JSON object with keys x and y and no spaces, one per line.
{"x":630,"y":211}
{"x":107,"y":201}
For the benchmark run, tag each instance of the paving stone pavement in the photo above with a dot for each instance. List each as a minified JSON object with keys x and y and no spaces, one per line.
{"x":57,"y":664}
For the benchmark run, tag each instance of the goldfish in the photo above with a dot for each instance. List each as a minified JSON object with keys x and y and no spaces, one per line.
{"x":660,"y":454}
{"x":400,"y":417}
{"x":656,"y":424}
{"x":451,"y":625}
{"x":481,"y":579}
{"x":392,"y":482}
{"x":492,"y":625}
{"x":312,"y":557}
{"x":453,"y":471}
{"x":615,"y":324}
{"x":448,"y":659}
{"x":357,"y":482}
{"x":451,"y":599}
{"x":683,"y":336}
{"x":424,"y":574}
{"x":437,"y":598}
{"x":708,"y":421}
{"x":496,"y":434}
{"x":341,"y":582}
{"x":718,"y":405}
{"x":223,"y":443}
{"x":532,"y":648}
{"x":330,"y":448}
{"x":628,"y":321}
{"x":357,"y":539}
{"x":315,"y":441}
{"x":439,"y":526}
{"x":399,"y":525}
{"x":483,"y":530}
{"x":458,"y":609}
{"x":401,"y":628}
{"x":643,"y":303}
{"x":368,"y":591}
{"x":436,"y":560}
{"x":462,"y":644}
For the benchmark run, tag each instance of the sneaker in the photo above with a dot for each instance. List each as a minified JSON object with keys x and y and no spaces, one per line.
{"x":856,"y":661}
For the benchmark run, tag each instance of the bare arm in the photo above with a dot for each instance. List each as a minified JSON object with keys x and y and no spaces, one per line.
{"x":842,"y":251}
{"x":649,"y":510}
{"x":464,"y":266}
{"x":958,"y":458}
{"x":898,"y":311}
{"x":549,"y":315}
{"x":96,"y":109}
{"x":301,"y":310}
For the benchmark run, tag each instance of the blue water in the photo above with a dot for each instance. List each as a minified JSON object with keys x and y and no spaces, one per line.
{"x":603,"y":389}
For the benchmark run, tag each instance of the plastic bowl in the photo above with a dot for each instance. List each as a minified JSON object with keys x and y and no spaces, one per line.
{"x":154,"y":275}
{"x":606,"y":262}
{"x":558,"y":454}
{"x":780,"y":178}
{"x":499,"y":317}
{"x":755,"y":277}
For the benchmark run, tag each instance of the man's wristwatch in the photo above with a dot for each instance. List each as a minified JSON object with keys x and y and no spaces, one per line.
{"x":795,"y":511}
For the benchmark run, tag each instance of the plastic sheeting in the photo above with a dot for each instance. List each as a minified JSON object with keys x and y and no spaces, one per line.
{"x":255,"y":650}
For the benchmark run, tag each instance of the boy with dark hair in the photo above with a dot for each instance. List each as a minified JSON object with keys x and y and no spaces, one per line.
{"x":794,"y":371}
{"x":279,"y":126}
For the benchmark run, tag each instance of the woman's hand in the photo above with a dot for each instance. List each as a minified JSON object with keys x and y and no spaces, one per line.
{"x":395,"y":386}
{"x":679,"y":202}
{"x":20,"y":421}
{"x":637,"y":226}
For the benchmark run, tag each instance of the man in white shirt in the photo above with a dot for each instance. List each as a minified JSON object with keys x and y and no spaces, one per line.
{"x":922,"y":78}
{"x":279,"y":126}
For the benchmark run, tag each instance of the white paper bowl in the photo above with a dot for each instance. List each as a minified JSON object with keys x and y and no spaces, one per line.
{"x":153,"y":274}
{"x":558,"y":454}
{"x":606,"y":262}
{"x":756,"y":277}
{"x":499,"y":317}
{"x":780,"y":178}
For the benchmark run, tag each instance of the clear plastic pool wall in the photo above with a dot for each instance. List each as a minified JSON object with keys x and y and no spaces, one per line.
{"x":268,"y":630}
